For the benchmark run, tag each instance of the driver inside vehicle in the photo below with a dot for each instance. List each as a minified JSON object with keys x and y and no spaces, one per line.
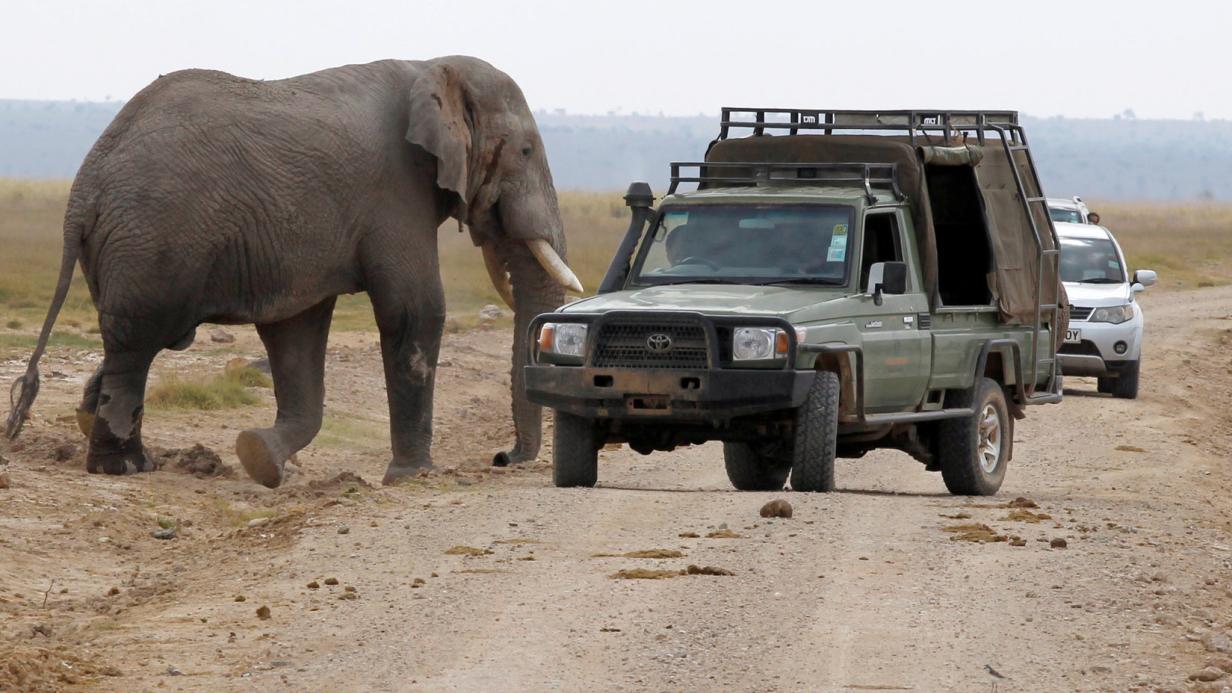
{"x":1090,"y":261}
{"x":709,"y":245}
{"x":682,"y":243}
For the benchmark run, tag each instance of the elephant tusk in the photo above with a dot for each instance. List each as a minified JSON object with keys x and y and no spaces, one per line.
{"x":496,"y":271}
{"x":554,"y":265}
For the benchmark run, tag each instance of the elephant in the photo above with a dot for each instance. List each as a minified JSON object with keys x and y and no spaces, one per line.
{"x":217,"y":199}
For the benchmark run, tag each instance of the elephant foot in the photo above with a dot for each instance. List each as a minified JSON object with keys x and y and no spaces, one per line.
{"x":132,"y":460}
{"x":85,"y":422}
{"x":514,"y":456}
{"x":397,"y":471}
{"x":260,"y":457}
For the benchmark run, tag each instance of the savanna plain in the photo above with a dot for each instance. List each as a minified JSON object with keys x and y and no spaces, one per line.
{"x":1105,"y":563}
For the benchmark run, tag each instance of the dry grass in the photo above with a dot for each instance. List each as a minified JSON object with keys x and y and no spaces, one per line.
{"x":31,"y":224}
{"x":226,"y":391}
{"x":1189,"y":244}
{"x":352,"y":431}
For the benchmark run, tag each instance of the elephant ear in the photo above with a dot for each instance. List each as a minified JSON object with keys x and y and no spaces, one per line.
{"x":441,"y":123}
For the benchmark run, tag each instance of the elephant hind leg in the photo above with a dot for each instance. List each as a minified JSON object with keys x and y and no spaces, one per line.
{"x":296,"y":349}
{"x":115,"y":432}
{"x":89,"y":403}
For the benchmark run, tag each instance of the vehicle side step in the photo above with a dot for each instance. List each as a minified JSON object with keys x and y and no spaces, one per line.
{"x":917,"y":416}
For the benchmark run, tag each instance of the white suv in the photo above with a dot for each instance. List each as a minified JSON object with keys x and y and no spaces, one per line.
{"x":1072,"y":210}
{"x":1105,"y":324}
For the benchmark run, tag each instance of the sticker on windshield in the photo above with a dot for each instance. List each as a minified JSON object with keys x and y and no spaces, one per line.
{"x":838,"y":244}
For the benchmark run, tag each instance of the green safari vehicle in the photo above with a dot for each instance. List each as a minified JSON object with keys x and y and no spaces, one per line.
{"x":858,"y":280}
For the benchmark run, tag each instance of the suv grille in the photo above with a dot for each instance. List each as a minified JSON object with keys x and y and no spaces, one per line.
{"x":625,"y":345}
{"x":1080,"y":312}
{"x":1084,"y":348}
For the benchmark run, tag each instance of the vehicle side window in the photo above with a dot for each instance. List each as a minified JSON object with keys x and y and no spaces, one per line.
{"x":881,"y":243}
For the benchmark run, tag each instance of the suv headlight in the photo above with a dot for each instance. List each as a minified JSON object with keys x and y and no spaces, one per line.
{"x":758,"y":343}
{"x":1113,"y":314}
{"x":563,"y":338}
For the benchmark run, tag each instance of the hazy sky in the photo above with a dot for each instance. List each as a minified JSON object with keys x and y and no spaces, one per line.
{"x":1075,"y":58}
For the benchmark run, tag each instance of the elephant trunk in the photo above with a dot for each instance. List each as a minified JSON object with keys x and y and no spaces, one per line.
{"x":535,"y":291}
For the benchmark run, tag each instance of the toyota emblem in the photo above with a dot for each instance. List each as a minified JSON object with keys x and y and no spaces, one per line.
{"x":659,"y":342}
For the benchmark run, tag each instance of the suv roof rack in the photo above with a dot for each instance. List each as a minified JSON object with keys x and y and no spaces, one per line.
{"x":908,"y":122}
{"x":764,"y":172}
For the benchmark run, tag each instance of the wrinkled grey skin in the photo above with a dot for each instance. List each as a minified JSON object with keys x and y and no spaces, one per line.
{"x":213,"y":198}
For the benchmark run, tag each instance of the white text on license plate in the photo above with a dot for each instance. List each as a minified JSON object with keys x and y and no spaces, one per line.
{"x":1073,"y":336}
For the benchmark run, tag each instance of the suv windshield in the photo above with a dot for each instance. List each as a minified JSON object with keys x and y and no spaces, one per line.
{"x":1073,"y":216}
{"x":1090,"y":261}
{"x":747,"y":244}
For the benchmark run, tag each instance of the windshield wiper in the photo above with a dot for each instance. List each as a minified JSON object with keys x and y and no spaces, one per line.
{"x":1100,"y":280}
{"x":804,"y":280}
{"x":698,"y":280}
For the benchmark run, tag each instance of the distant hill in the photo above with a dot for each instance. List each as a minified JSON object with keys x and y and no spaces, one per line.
{"x":1115,"y":158}
{"x":48,"y":139}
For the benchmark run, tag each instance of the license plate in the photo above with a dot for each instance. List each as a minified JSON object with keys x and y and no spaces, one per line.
{"x":1073,"y":336}
{"x":648,"y":404}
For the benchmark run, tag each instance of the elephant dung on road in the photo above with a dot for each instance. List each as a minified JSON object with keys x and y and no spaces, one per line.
{"x":214,"y":198}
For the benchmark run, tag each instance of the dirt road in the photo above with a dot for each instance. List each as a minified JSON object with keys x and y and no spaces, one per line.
{"x":861,"y":590}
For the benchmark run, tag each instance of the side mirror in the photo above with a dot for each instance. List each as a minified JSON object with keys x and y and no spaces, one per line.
{"x":1145,"y":278}
{"x":887,"y":278}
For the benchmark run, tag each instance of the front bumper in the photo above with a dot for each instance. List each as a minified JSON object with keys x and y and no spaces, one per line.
{"x":628,"y":382}
{"x":1095,"y":355}
{"x":665,"y":395}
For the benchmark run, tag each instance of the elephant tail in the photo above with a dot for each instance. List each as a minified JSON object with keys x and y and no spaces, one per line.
{"x":25,"y":388}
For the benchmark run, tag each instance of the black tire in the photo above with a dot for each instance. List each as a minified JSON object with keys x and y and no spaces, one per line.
{"x":961,"y":442}
{"x":575,"y":453}
{"x":1126,"y":384}
{"x":816,"y":436}
{"x":750,"y":471}
{"x":1106,"y":385}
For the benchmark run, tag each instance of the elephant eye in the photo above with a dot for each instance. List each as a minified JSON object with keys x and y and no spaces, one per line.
{"x":526,"y":151}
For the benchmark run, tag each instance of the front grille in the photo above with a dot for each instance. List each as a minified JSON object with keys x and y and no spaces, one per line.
{"x":1084,"y":348}
{"x":1080,"y":312}
{"x":624,"y":345}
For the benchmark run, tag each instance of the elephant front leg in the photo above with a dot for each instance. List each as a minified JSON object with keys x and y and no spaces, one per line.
{"x":410,"y":343}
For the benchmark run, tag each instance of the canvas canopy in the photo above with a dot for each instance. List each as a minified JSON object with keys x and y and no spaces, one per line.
{"x":1015,"y":268}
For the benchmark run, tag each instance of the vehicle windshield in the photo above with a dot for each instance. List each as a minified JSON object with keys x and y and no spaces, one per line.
{"x":1090,"y":261}
{"x":747,"y":244}
{"x":1072,"y":216}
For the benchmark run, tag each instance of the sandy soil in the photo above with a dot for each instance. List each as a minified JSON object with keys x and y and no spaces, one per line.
{"x":482,"y":579}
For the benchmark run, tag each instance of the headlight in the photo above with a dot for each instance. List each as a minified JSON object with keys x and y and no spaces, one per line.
{"x":563,"y":338}
{"x":758,"y":343}
{"x":1113,"y":314}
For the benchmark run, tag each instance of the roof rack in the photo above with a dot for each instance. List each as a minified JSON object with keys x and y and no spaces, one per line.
{"x":909,"y":122}
{"x":764,"y":172}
